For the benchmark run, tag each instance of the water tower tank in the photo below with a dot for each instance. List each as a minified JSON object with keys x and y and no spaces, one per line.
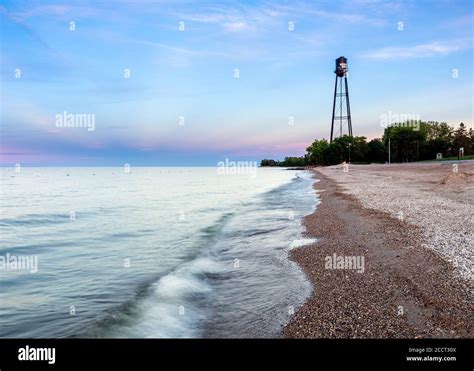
{"x":341,"y":66}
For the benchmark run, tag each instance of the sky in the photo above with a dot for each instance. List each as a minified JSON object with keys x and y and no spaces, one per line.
{"x":191,"y":83}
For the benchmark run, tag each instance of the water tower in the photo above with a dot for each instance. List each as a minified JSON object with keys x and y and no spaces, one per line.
{"x":341,"y":110}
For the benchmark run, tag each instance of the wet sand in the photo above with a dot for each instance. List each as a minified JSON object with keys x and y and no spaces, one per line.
{"x":405,"y":291}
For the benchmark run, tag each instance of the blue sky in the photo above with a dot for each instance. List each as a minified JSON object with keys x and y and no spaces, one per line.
{"x":190,"y":75}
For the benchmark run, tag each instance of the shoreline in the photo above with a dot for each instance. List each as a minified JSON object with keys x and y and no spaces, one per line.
{"x":404,"y":291}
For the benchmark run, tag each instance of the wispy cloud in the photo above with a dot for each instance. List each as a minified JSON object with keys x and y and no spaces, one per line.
{"x":348,"y":17}
{"x":234,"y":19}
{"x":238,"y":26}
{"x":241,"y":54}
{"x":28,"y":30}
{"x":421,"y":50}
{"x":60,"y":11}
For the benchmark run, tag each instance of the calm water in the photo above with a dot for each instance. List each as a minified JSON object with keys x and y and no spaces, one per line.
{"x":158,"y":252}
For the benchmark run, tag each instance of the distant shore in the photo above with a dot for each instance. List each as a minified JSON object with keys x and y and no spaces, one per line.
{"x":415,"y":277}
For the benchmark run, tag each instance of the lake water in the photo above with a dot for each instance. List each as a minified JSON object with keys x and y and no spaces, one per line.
{"x":154,"y":252}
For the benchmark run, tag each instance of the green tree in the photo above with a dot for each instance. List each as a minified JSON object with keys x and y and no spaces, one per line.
{"x":439,"y":140}
{"x":377,"y":151}
{"x":266,"y":162}
{"x":316,"y":152}
{"x":405,"y":140}
{"x":437,"y":130}
{"x":409,"y":141}
{"x":461,"y":138}
{"x":293,"y":161}
{"x":350,"y":149}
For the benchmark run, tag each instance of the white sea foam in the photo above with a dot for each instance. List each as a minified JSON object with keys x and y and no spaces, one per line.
{"x":203,"y":265}
{"x":173,"y":286}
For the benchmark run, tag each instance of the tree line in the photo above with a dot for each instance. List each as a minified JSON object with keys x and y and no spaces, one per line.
{"x":409,"y":141}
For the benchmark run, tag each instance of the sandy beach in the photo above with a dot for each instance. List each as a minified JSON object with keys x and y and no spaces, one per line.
{"x":411,"y":227}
